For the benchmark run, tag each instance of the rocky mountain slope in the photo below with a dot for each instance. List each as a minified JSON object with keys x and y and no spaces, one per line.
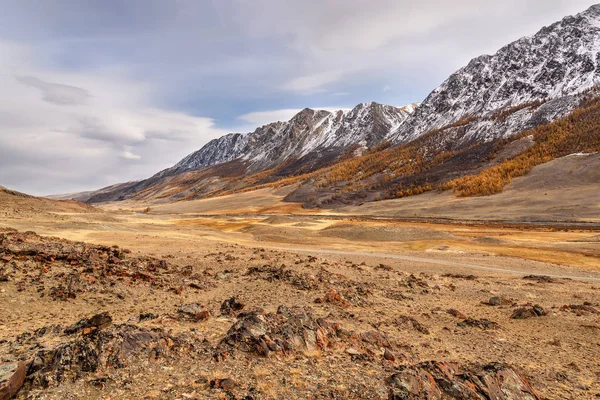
{"x":308,"y":131}
{"x":557,"y":62}
{"x":528,"y":83}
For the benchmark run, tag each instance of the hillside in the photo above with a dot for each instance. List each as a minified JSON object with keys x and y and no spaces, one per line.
{"x":481,"y":169}
{"x":557,"y":62}
{"x":15,"y":204}
{"x":459,"y":127}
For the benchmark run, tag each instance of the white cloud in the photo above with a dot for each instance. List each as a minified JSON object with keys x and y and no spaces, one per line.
{"x":56,"y":93}
{"x":128,"y":155}
{"x":313,"y":83}
{"x":387,"y":88}
{"x":74,"y":131}
{"x":260,"y":118}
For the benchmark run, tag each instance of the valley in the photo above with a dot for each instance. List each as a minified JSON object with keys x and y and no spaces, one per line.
{"x":401,"y":292}
{"x":445,"y":249}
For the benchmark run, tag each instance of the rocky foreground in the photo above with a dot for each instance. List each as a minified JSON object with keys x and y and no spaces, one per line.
{"x":89,"y":321}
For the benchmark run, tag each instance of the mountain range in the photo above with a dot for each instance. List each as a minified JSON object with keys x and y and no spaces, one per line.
{"x":531,"y":82}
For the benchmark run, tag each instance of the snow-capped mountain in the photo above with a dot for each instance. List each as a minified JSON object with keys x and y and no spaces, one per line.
{"x":309,"y":131}
{"x":550,"y":68}
{"x":529,"y":82}
{"x":559,"y":61}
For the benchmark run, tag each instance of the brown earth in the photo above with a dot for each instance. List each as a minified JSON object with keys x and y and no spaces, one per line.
{"x":323,"y":308}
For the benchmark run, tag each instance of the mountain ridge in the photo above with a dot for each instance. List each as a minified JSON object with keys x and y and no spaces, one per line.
{"x":527,"y":83}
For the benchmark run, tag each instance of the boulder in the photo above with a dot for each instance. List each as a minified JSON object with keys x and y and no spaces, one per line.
{"x":98,"y":321}
{"x":483,"y":323}
{"x":285,"y":331}
{"x":12,"y":376}
{"x":444,"y":381}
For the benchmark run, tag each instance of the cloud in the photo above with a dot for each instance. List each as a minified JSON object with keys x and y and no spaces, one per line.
{"x":260,"y":118}
{"x":55,"y":92}
{"x":387,"y":88}
{"x":128,"y":155}
{"x":87,"y":131}
{"x":313,"y":83}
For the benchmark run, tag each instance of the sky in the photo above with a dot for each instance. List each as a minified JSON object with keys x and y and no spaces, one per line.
{"x":99,"y":92}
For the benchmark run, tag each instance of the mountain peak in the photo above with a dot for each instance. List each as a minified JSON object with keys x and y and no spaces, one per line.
{"x":558,"y":61}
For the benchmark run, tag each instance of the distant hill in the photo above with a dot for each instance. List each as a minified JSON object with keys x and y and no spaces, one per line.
{"x":15,"y":204}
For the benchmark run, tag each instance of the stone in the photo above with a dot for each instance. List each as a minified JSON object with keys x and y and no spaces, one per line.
{"x":290,"y":330}
{"x":528,"y":312}
{"x":231,"y":306}
{"x":193,"y":312}
{"x":98,"y":352}
{"x":388,"y":355}
{"x":498,"y":301}
{"x":404,"y":320}
{"x":225,"y":384}
{"x":456,"y":313}
{"x":540,"y":278}
{"x":580,"y":309}
{"x":483,"y":323}
{"x":98,"y":321}
{"x":12,"y":376}
{"x":445,"y":380}
{"x":352,"y":351}
{"x":461,"y":276}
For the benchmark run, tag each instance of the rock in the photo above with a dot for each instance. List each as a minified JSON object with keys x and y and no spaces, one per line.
{"x":540,"y":278}
{"x":12,"y":376}
{"x":101,"y":351}
{"x":352,"y":351}
{"x":498,"y":301}
{"x":147,"y":316}
{"x":225,"y":384}
{"x":484,"y":324}
{"x":285,"y":311}
{"x":404,"y":320}
{"x":333,"y":296}
{"x":388,"y":355}
{"x":461,"y":276}
{"x":98,"y":321}
{"x":528,"y":312}
{"x":441,"y":380}
{"x":413,"y":282}
{"x":230,"y":306}
{"x":456,"y":313}
{"x":193,"y":312}
{"x":287,"y":331}
{"x":580,"y":309}
{"x":376,"y":338}
{"x":384,"y":267}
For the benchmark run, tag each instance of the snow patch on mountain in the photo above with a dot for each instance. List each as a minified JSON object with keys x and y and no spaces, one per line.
{"x":560,"y":60}
{"x":308,"y":131}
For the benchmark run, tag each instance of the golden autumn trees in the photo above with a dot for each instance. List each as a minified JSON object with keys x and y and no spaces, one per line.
{"x":579,"y":132}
